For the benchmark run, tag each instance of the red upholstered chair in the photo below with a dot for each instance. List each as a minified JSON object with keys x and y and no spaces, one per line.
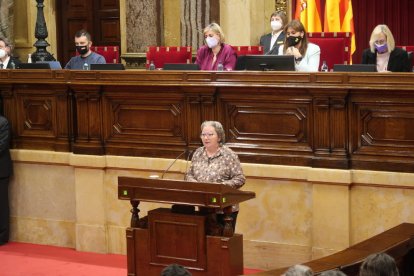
{"x":248,"y":50}
{"x":335,"y":47}
{"x":168,"y":54}
{"x":410,"y":51}
{"x":110,"y":53}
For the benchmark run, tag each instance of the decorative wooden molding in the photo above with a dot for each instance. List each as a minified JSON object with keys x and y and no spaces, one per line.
{"x":328,"y":120}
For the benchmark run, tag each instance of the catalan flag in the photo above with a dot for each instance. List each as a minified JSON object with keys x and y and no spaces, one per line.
{"x":339,"y":18}
{"x":308,"y":12}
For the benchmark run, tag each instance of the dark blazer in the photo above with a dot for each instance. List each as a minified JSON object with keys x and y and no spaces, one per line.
{"x":5,"y":160}
{"x":265,"y":42}
{"x":16,"y":62}
{"x":398,"y":61}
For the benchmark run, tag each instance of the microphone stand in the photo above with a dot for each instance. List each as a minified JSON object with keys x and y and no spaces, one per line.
{"x":172,"y":163}
{"x":186,"y":164}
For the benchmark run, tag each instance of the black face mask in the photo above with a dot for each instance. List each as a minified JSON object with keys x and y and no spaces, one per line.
{"x":82,"y":49}
{"x":293,"y":40}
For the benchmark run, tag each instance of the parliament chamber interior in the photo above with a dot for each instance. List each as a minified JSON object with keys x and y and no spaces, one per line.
{"x":328,"y":156}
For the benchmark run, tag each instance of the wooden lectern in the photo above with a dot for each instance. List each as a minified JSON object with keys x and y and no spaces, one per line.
{"x":180,"y":234}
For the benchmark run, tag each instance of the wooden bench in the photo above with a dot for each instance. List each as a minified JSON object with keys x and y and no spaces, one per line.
{"x":397,"y":242}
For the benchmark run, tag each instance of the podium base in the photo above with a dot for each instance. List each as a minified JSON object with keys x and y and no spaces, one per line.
{"x":181,"y":239}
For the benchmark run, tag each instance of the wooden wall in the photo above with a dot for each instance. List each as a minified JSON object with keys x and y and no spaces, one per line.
{"x":103,"y":24}
{"x":331,"y":120}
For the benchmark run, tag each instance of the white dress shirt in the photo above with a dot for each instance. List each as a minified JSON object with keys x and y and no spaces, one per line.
{"x":274,"y":38}
{"x":5,"y":63}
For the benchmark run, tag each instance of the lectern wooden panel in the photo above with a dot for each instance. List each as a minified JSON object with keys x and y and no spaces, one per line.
{"x":177,"y":238}
{"x":186,"y":238}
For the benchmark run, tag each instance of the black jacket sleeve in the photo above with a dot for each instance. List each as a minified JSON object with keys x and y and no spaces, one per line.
{"x":399,"y":61}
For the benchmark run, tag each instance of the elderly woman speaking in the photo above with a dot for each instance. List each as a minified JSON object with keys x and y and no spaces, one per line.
{"x":214,"y":162}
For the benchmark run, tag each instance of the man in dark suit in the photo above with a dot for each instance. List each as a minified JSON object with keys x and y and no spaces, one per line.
{"x":273,"y":40}
{"x":5,"y":173}
{"x":7,"y":61}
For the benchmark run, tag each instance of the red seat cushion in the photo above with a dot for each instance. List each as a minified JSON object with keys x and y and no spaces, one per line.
{"x":110,"y":53}
{"x":335,"y":47}
{"x":168,"y":54}
{"x":248,"y":50}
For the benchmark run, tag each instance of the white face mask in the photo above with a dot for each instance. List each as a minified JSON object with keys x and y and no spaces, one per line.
{"x":211,"y":42}
{"x":2,"y":53}
{"x":276,"y":25}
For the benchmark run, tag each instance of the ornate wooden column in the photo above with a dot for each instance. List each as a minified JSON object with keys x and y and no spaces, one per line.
{"x":41,"y":53}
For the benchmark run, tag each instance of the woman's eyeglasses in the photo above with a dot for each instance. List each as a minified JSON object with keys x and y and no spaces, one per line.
{"x":204,"y":135}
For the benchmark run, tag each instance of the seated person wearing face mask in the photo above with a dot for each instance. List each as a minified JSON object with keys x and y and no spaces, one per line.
{"x":307,"y":55}
{"x":215,"y":52}
{"x":83,"y":45}
{"x":6,"y":60}
{"x":383,"y":53}
{"x":273,"y":40}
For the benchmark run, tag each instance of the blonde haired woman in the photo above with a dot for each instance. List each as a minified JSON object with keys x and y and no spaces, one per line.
{"x":383,"y":53}
{"x":215,"y":51}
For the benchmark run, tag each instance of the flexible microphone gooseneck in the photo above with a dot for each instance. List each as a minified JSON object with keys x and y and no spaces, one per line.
{"x":172,"y":163}
{"x":186,"y":164}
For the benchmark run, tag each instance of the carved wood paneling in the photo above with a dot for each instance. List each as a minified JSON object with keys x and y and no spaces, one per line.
{"x":201,"y":106}
{"x":168,"y":229}
{"x":42,"y":118}
{"x":72,"y":16}
{"x":285,"y":130}
{"x":99,"y":17}
{"x":271,"y":120}
{"x":332,"y":120}
{"x":106,"y":22}
{"x":108,"y":4}
{"x":385,"y":127}
{"x":284,"y":124}
{"x":87,"y":120}
{"x":384,"y":130}
{"x":151,"y":120}
{"x":329,"y":129}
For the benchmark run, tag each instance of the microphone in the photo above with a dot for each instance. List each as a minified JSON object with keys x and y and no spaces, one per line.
{"x":190,"y":153}
{"x":172,"y":163}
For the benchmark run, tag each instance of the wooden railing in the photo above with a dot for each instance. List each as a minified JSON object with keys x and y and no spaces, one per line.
{"x":397,"y":242}
{"x":331,"y":120}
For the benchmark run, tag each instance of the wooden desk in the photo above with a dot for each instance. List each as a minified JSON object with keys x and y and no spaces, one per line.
{"x":331,"y":120}
{"x":192,"y":239}
{"x":397,"y":242}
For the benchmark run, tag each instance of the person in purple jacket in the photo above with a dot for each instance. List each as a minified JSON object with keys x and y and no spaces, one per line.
{"x":216,"y":52}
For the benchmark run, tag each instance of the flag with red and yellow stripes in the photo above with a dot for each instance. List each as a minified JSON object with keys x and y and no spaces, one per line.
{"x":308,"y":12}
{"x":339,"y":18}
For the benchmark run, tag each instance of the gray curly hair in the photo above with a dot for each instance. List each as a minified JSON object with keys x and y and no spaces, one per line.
{"x":218,"y":127}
